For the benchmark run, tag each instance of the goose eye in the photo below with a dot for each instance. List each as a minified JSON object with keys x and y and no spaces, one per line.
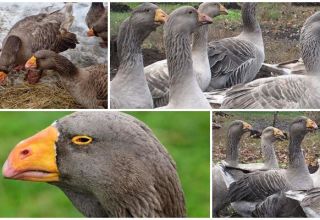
{"x":190,"y":12}
{"x":82,"y":140}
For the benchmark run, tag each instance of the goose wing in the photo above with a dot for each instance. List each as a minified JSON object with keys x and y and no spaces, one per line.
{"x":257,"y":186}
{"x":231,"y":59}
{"x":272,"y":92}
{"x":158,"y":81}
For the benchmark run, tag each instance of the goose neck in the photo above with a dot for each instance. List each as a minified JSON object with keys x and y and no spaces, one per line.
{"x":232,"y":151}
{"x":65,"y":67}
{"x":268,"y":153}
{"x":129,"y":43}
{"x":250,"y":22}
{"x":200,"y":39}
{"x":180,"y":65}
{"x":296,"y":158}
{"x":129,"y":50}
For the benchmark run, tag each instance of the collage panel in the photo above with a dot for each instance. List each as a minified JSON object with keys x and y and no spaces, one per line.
{"x":53,"y":55}
{"x":265,"y":164}
{"x":237,"y":55}
{"x":105,"y":164}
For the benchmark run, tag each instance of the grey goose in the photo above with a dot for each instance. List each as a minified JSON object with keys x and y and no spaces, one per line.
{"x":261,"y":186}
{"x":236,"y":170}
{"x":237,"y":59}
{"x":184,"y":90}
{"x":157,"y":73}
{"x":129,"y":88}
{"x":88,"y":86}
{"x":282,"y":92}
{"x":89,"y":157}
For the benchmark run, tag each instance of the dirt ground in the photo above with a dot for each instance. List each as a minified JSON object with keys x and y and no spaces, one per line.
{"x":250,"y":147}
{"x":280,"y":24}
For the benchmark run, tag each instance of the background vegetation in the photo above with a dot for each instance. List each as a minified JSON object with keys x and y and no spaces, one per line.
{"x":184,"y":134}
{"x":280,"y":24}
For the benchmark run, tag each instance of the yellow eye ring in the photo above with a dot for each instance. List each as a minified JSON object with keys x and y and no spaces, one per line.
{"x":81,"y":140}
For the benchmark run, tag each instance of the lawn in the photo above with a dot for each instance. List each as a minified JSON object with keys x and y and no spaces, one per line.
{"x":184,"y":134}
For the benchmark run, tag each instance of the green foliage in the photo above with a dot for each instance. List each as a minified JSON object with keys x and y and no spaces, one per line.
{"x":116,"y":18}
{"x":184,"y":134}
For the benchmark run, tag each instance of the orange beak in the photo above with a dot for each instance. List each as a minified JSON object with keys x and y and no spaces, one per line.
{"x":204,"y":19}
{"x":311,"y":125}
{"x":160,"y":16}
{"x":34,"y":159}
{"x":222,"y":10}
{"x":31,"y":63}
{"x":90,"y":32}
{"x":247,"y":126}
{"x":3,"y":77}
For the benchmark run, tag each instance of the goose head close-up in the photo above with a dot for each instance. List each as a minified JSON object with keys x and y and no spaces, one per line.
{"x":145,"y":19}
{"x":109,"y":164}
{"x":273,"y":134}
{"x":186,"y":20}
{"x":301,"y":126}
{"x":49,"y":60}
{"x":212,"y":9}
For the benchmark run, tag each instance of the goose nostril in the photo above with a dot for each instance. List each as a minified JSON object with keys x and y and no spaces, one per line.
{"x":25,"y":152}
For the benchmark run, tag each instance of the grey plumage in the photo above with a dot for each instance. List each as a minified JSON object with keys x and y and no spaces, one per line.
{"x":126,"y":172}
{"x":293,"y":91}
{"x":237,"y":59}
{"x":157,"y":73}
{"x":36,"y":32}
{"x":310,"y":43}
{"x":109,"y":164}
{"x":88,"y":86}
{"x":236,"y":171}
{"x":129,"y":88}
{"x":258,"y":186}
{"x":184,"y":91}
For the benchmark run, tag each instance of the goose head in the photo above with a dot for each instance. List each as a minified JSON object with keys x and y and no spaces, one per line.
{"x":302,"y":125}
{"x":239,"y":127}
{"x":107,"y":163}
{"x":273,"y":134}
{"x":147,"y":17}
{"x":186,"y":20}
{"x":212,"y":9}
{"x":42,"y":60}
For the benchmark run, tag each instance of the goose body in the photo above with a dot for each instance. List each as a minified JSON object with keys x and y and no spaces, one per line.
{"x":89,"y":157}
{"x":184,"y":90}
{"x":157,"y":73}
{"x":258,"y":186}
{"x":235,"y":171}
{"x":288,"y":91}
{"x":89,"y":86}
{"x":237,"y":59}
{"x":36,"y":32}
{"x":129,"y":88}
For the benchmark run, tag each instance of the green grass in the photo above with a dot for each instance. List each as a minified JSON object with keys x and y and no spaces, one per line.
{"x":184,"y":134}
{"x":116,"y":18}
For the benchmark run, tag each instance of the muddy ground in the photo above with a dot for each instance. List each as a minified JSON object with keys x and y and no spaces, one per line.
{"x":280,"y":24}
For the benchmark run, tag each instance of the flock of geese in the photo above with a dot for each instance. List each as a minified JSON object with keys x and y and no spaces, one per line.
{"x":263,"y":189}
{"x":205,"y":74}
{"x":34,"y":44}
